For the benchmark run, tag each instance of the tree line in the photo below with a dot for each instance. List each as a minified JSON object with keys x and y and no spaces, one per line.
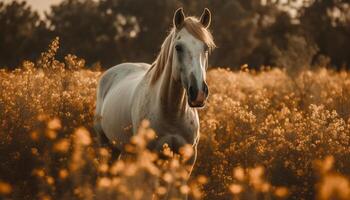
{"x":254,"y":32}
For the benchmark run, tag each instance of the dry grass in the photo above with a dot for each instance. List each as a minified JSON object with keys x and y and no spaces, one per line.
{"x":264,"y":136}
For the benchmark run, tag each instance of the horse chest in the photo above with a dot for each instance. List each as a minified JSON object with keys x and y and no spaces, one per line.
{"x":187,"y":129}
{"x":165,"y":123}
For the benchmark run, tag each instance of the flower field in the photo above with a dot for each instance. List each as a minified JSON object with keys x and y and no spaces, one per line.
{"x":264,"y":135}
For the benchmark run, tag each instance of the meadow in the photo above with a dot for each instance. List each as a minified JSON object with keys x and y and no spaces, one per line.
{"x":270,"y":134}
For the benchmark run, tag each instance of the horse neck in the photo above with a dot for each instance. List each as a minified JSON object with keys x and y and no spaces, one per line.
{"x":171,"y":93}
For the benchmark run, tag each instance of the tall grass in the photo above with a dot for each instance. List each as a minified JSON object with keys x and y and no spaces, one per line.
{"x":264,"y":135}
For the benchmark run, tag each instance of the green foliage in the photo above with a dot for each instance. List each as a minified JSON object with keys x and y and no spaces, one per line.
{"x":115,"y":31}
{"x":90,"y":30}
{"x":328,"y":24}
{"x":21,"y":35}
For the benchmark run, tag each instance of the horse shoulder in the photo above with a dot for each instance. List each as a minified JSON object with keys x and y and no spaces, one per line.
{"x":115,"y":91}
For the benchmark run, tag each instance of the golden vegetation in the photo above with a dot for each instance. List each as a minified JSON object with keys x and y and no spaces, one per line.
{"x":283,"y":124}
{"x":264,"y":136}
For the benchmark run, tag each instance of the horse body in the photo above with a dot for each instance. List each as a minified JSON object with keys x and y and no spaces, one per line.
{"x":125,"y":98}
{"x":166,"y":93}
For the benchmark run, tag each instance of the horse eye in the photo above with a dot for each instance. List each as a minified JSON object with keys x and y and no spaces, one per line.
{"x":178,"y":48}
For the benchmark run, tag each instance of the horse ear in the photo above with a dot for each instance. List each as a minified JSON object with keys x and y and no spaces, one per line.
{"x":206,"y":18}
{"x":179,"y":18}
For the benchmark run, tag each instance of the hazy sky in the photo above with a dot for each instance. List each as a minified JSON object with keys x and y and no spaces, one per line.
{"x":40,"y":5}
{"x":44,"y":5}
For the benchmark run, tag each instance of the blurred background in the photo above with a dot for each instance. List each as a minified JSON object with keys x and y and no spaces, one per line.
{"x":259,"y":33}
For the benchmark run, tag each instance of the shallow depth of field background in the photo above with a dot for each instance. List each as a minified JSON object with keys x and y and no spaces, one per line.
{"x":276,"y":125}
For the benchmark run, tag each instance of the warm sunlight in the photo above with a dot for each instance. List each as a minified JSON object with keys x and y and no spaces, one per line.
{"x":174,"y":100}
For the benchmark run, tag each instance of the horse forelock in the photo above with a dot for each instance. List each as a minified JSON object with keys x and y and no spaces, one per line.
{"x":195,"y":28}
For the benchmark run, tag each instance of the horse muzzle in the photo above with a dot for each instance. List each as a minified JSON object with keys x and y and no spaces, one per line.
{"x":197,"y":97}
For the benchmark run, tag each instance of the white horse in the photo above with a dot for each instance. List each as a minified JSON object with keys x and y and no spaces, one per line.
{"x":166,"y":93}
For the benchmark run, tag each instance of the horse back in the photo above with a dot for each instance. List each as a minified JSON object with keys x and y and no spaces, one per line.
{"x":117,"y":73}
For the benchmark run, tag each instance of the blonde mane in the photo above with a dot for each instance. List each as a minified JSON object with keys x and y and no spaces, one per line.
{"x":164,"y":58}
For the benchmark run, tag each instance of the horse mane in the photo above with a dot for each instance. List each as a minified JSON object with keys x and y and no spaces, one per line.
{"x":195,"y":28}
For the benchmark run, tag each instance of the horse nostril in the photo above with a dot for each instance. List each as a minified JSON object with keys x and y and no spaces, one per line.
{"x":192,"y":93}
{"x":205,"y":89}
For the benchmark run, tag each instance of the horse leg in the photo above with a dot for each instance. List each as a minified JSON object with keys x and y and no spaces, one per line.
{"x":105,"y":143}
{"x":173,"y":192}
